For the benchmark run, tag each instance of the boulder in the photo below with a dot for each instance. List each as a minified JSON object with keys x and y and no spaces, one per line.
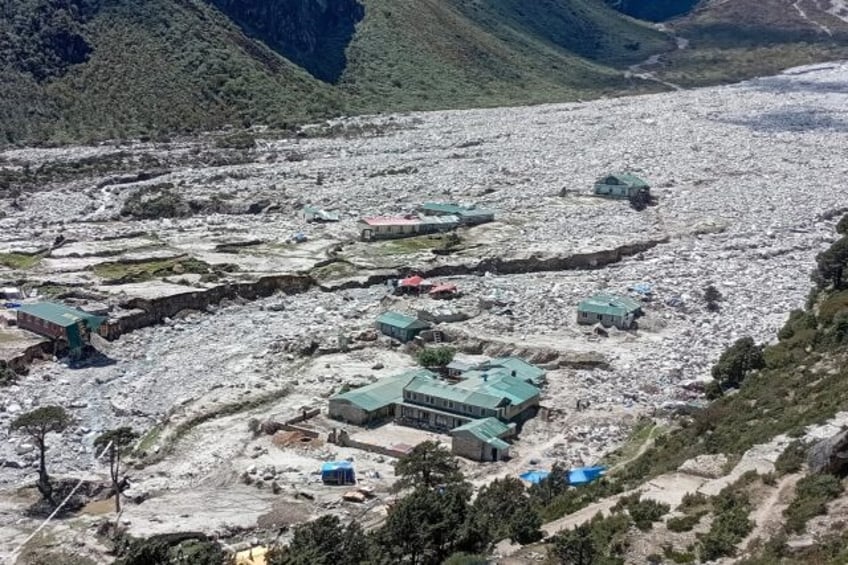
{"x":830,"y":455}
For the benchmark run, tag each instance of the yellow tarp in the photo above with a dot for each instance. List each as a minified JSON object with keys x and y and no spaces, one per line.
{"x":252,"y":556}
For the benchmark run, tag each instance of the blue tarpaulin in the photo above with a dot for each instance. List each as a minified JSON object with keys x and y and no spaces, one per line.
{"x":534,"y":476}
{"x":338,"y":473}
{"x":578,"y":476}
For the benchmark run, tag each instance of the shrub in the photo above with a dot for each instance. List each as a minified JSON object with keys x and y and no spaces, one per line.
{"x":737,"y":362}
{"x":792,"y":458}
{"x":643,"y":512}
{"x":684,"y":523}
{"x":152,"y":202}
{"x":436,"y":356}
{"x":812,"y":493}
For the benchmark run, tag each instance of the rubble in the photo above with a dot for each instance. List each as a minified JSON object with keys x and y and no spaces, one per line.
{"x":744,"y":192}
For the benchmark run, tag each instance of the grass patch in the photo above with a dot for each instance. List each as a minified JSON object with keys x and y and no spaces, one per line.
{"x":149,"y":440}
{"x":410,"y":245}
{"x":333,"y":271}
{"x":644,"y":431}
{"x":19,"y":261}
{"x":119,"y":272}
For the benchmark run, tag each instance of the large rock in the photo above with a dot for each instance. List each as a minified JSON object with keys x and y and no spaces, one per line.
{"x":830,"y":455}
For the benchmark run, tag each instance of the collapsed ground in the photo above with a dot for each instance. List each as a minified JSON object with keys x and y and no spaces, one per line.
{"x":744,"y":177}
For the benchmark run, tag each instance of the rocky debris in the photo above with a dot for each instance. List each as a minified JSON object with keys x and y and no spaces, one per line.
{"x":709,"y":466}
{"x":735,"y":207}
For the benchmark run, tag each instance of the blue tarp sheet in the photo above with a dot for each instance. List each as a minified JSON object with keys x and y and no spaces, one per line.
{"x":578,"y":476}
{"x":338,"y":472}
{"x":534,"y":476}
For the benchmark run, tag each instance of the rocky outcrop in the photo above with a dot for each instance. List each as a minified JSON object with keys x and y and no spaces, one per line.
{"x":830,"y":455}
{"x":147,"y":312}
{"x":311,"y":33}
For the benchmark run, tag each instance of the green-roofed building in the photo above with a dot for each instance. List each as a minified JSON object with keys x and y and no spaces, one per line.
{"x":518,"y":368}
{"x":468,"y":215}
{"x":441,"y":406}
{"x":609,"y":310}
{"x":68,"y":327}
{"x":482,"y":440}
{"x":621,"y":185}
{"x":400,"y":326}
{"x":375,"y":401}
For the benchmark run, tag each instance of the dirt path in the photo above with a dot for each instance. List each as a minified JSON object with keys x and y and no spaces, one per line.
{"x":646,"y":445}
{"x":768,"y":516}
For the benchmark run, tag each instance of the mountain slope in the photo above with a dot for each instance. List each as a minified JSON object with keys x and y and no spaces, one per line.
{"x":113,"y":68}
{"x":154,"y":66}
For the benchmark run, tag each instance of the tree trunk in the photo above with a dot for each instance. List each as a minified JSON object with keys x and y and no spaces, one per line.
{"x":114,"y":469}
{"x":43,"y":484}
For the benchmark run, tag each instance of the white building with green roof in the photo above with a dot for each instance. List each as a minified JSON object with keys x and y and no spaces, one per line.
{"x":482,"y":440}
{"x":375,"y":401}
{"x":609,"y":310}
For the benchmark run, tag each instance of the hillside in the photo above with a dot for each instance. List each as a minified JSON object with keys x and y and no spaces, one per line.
{"x":88,"y":69}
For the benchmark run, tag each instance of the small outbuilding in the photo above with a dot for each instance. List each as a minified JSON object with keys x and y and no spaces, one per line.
{"x":400,"y":326}
{"x":67,"y":326}
{"x":468,"y":215}
{"x":609,"y":310}
{"x":482,"y":440}
{"x":518,"y":368}
{"x":338,"y":473}
{"x":621,"y":185}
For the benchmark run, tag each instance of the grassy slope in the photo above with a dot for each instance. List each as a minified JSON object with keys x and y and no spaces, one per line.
{"x":161,"y":65}
{"x":178,"y":66}
{"x":427,"y":54}
{"x":732,"y":41}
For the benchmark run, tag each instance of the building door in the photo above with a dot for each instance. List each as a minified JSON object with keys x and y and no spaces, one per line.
{"x":494,"y":454}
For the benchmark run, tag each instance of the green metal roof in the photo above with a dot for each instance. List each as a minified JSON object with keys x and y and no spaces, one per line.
{"x":610,"y":304}
{"x":455,"y":393}
{"x":499,"y":383}
{"x":383,"y":392}
{"x":487,"y":430}
{"x":627,"y":179}
{"x":455,"y":209}
{"x":398,"y":320}
{"x":62,"y":315}
{"x":523,"y":370}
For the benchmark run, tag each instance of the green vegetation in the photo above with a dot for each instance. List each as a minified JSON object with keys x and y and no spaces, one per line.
{"x":434,"y":522}
{"x":792,"y":458}
{"x":117,"y":442}
{"x":812,"y":493}
{"x":333,"y":271}
{"x":643,"y":512}
{"x":436,"y":356}
{"x":121,"y":272}
{"x":684,"y":523}
{"x":737,"y":362}
{"x":409,"y":245}
{"x":95,"y":70}
{"x":19,"y":261}
{"x":194,"y":548}
{"x":8,"y":376}
{"x":730,"y":525}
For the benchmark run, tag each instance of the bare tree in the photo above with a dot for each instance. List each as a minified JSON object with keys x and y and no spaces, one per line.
{"x":116,"y":441}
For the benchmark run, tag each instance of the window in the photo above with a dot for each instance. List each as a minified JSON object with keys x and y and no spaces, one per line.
{"x":584,"y":314}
